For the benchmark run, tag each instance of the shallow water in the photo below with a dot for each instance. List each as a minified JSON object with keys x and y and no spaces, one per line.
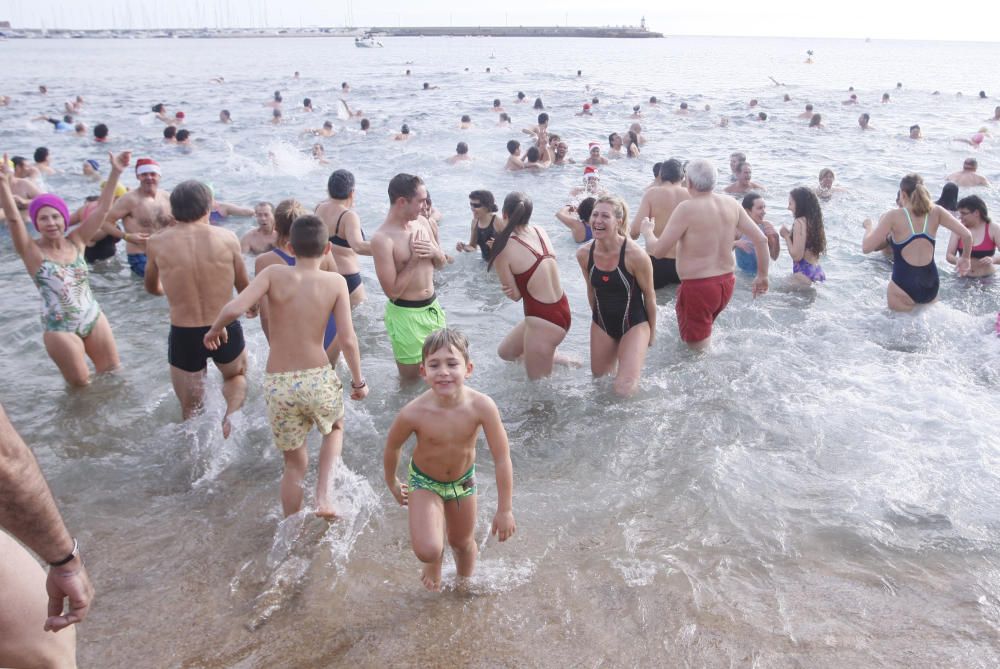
{"x":819,"y":489}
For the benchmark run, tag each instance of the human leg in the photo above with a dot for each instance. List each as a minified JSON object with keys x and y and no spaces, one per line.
{"x":631,"y":355}
{"x":296,"y":462}
{"x":68,"y":352}
{"x":329,"y":451}
{"x":541,"y":339}
{"x":426,"y":515}
{"x":898,"y":300}
{"x":234,"y":387}
{"x":190,"y":390}
{"x":101,"y":347}
{"x":460,"y":524}
{"x":512,"y":346}
{"x":23,"y":610}
{"x":603,"y":351}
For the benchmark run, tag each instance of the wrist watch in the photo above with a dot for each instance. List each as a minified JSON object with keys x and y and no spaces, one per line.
{"x":69,"y":558}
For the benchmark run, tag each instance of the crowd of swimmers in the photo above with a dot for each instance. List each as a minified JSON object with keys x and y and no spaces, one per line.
{"x":688,"y":230}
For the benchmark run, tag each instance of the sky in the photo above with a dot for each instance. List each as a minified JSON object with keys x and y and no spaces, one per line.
{"x":975,"y":20}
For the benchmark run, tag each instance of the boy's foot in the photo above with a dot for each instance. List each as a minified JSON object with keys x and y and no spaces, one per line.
{"x":431,"y":576}
{"x":325,"y":510}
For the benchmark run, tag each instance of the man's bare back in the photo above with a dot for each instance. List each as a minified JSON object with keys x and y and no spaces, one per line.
{"x":658,"y":203}
{"x":707,"y":227}
{"x":197,"y":265}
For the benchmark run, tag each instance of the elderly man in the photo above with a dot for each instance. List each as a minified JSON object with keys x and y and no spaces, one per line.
{"x":703,"y":229}
{"x":968,"y":178}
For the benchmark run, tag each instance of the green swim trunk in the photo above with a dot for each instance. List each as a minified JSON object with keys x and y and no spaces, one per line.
{"x":463,"y":487}
{"x":408,"y":324}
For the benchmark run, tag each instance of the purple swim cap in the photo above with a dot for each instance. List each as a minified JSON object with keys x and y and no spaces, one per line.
{"x":48,"y":200}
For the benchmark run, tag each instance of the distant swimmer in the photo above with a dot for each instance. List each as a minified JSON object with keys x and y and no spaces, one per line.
{"x":915,"y":132}
{"x":403,"y":134}
{"x":736,"y":160}
{"x":762,"y":116}
{"x":635,"y":112}
{"x":915,"y":222}
{"x":808,"y":113}
{"x":276,"y":116}
{"x":225,"y":116}
{"x":42,"y":163}
{"x":632,"y":144}
{"x":428,"y":87}
{"x":702,"y":228}
{"x":985,"y":236}
{"x":585,"y":111}
{"x":816,"y":121}
{"x":591,"y":184}
{"x":521,"y":98}
{"x":275,"y":101}
{"x":806,"y":239}
{"x":577,"y":219}
{"x":262,"y":238}
{"x":143,"y":211}
{"x":561,"y":156}
{"x":977,"y":138}
{"x":183,"y":138}
{"x":92,"y":169}
{"x":319,"y":154}
{"x":503,"y":120}
{"x":967,"y":177}
{"x":534,"y":159}
{"x":682,"y":109}
{"x":543,"y":125}
{"x":885,"y":98}
{"x":743,"y":183}
{"x":996,"y":115}
{"x":616,"y":149}
{"x":179,"y":118}
{"x":161,"y":112}
{"x":197,"y":266}
{"x":864,"y":121}
{"x":538,"y":104}
{"x":170,"y":134}
{"x":326,"y":131}
{"x":595,"y":157}
{"x":497,"y":107}
{"x":639,"y":137}
{"x":827,"y":186}
{"x":657,"y":204}
{"x":101,"y":133}
{"x":307,"y":105}
{"x":345,"y":88}
{"x":461,"y":154}
{"x":853,"y":100}
{"x":465,"y":122}
{"x":514,"y":161}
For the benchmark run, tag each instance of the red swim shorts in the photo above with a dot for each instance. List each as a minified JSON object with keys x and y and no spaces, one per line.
{"x":699,"y":302}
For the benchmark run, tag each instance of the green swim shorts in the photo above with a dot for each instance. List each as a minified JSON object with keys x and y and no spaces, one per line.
{"x":408,"y":324}
{"x":463,"y":487}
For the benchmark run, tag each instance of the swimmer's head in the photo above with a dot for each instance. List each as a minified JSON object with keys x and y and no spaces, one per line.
{"x":445,"y":338}
{"x":505,"y":117}
{"x":585,"y":208}
{"x":532,"y":154}
{"x":614,"y":141}
{"x":41,"y":154}
{"x":635,"y":108}
{"x":327,"y":125}
{"x":37,"y":210}
{"x":653,"y":100}
{"x":170,"y":132}
{"x":826,"y":177}
{"x":513,"y":147}
{"x":225,"y":116}
{"x":762,"y":116}
{"x":405,"y":129}
{"x":976,"y":139}
{"x":466,"y":118}
{"x":701,"y":175}
{"x":180,"y":116}
{"x":100,"y":132}
{"x":158,"y":108}
{"x":427,"y":85}
{"x":543,"y":119}
{"x":816,"y":120}
{"x":496,"y":102}
{"x":308,"y":237}
{"x":619,"y":210}
{"x":120,"y":189}
{"x":340,"y":185}
{"x":594,"y":101}
{"x":405,"y":186}
{"x":307,"y":103}
{"x":183,"y":135}
{"x":969,"y":164}
{"x":656,"y":170}
{"x":91,"y":166}
{"x":586,"y":106}
{"x":520,"y":95}
{"x":914,"y":132}
{"x":462,"y":148}
{"x":365,"y":124}
{"x":972,"y":204}
{"x":671,"y":171}
{"x":482,"y":199}
{"x":684,"y":105}
{"x":912,"y":185}
{"x":750,"y":202}
{"x":809,"y":107}
{"x":190,"y":201}
{"x":949,"y":197}
{"x":277,"y":96}
{"x":538,"y":104}
{"x":516,"y":212}
{"x":285,"y":214}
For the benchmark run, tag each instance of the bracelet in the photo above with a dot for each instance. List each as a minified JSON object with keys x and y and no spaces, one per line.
{"x":69,"y":558}
{"x":125,"y":236}
{"x":360,"y":385}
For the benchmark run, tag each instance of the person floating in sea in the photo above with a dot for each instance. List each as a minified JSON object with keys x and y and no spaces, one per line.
{"x":440,"y":491}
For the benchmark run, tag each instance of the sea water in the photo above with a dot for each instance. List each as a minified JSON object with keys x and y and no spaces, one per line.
{"x":819,"y":489}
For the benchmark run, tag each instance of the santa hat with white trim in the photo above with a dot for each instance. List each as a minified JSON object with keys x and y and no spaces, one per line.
{"x":145,"y":166}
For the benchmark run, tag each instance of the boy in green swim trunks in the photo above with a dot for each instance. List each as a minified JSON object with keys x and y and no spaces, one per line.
{"x":301,"y":388}
{"x":441,"y":488}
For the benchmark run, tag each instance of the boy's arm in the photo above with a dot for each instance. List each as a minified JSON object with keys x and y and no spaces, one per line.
{"x":235,"y":308}
{"x":399,"y":432}
{"x":496,"y":439}
{"x":348,"y":339}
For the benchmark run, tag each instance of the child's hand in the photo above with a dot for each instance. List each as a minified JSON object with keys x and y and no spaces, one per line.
{"x":401,"y":491}
{"x":359,"y":393}
{"x":503,"y":525}
{"x":213,"y":338}
{"x":785,"y":232}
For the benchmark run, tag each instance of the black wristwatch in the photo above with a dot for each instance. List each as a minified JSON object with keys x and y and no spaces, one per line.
{"x":69,"y":558}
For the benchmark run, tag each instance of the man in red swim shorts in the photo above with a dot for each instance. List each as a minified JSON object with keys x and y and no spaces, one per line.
{"x":703,"y":229}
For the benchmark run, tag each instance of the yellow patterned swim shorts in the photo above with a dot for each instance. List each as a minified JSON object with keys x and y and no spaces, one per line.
{"x":298,"y":400}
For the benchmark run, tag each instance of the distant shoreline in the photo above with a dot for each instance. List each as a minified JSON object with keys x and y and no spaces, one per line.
{"x":619,"y":32}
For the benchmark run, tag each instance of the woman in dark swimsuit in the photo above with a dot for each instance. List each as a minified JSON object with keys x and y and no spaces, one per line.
{"x":346,"y":235}
{"x":619,"y":277}
{"x":528,"y":272}
{"x":915,"y":224}
{"x":484,"y":218}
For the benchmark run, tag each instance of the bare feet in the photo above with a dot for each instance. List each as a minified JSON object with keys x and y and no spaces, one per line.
{"x":431,"y":576}
{"x":325,"y":510}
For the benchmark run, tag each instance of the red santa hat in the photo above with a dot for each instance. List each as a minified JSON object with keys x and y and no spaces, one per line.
{"x":589,"y":172}
{"x":590,"y":147}
{"x":145,"y":166}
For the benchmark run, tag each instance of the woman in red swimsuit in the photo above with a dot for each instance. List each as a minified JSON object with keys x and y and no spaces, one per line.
{"x":528,"y":272}
{"x":985,"y":236}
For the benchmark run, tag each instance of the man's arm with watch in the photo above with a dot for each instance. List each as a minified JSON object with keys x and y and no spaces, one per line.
{"x":29,"y":513}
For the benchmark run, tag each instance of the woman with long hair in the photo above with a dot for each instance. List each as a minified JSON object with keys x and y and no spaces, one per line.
{"x":528,"y":272}
{"x":985,"y":236}
{"x":914,"y":274}
{"x":619,"y":276}
{"x":806,"y":240}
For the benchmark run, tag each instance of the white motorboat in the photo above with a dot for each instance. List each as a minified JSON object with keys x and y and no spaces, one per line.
{"x":367,"y":41}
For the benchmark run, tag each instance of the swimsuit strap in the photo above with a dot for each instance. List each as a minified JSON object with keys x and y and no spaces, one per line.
{"x":538,"y":256}
{"x":621,"y":256}
{"x":289,"y":260}
{"x":336,"y":227}
{"x":913,"y":231}
{"x":590,"y":259}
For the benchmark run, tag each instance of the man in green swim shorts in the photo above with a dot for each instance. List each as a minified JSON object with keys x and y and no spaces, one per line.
{"x":406,"y":254}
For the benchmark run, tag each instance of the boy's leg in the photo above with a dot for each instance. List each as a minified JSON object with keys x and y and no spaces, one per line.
{"x":329,"y":451}
{"x":460,"y":521}
{"x":426,"y":512}
{"x":296,"y":462}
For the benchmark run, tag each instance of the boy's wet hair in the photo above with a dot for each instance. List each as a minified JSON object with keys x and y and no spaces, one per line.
{"x":445,"y":337}
{"x":308,"y":236}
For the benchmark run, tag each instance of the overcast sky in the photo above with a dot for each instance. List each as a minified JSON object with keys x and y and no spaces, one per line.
{"x":976,"y":20}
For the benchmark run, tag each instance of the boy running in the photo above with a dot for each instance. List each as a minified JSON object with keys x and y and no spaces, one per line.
{"x":301,"y":388}
{"x":441,"y":492}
